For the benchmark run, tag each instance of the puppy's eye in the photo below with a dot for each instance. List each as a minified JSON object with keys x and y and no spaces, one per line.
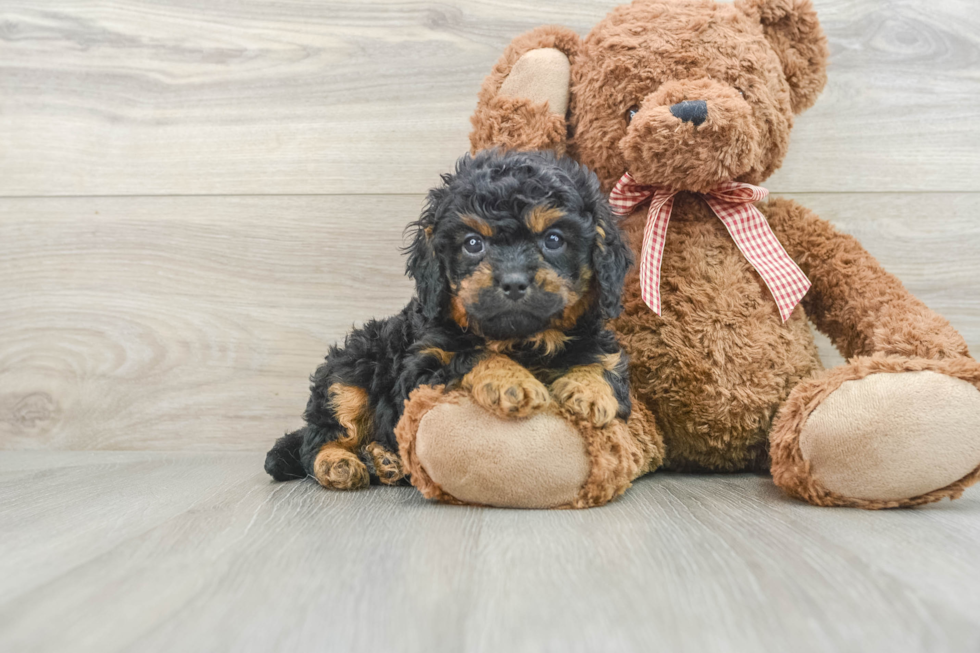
{"x":740,"y":91}
{"x":473,"y":245}
{"x":631,"y":113}
{"x":554,"y":241}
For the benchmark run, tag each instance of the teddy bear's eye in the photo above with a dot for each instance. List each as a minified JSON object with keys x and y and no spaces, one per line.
{"x":631,"y":112}
{"x":740,"y":91}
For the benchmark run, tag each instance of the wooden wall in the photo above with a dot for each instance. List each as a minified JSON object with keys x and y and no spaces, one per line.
{"x":197,"y":198}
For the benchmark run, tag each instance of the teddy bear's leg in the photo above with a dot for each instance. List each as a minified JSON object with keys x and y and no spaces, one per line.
{"x":881,"y":432}
{"x":458,"y":452}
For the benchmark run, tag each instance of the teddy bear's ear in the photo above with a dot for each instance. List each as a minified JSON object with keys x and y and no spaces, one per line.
{"x":793,"y":31}
{"x":524,"y":99}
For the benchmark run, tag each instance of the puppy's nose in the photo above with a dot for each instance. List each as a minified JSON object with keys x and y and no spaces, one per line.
{"x":514,"y":284}
{"x":695,"y":111}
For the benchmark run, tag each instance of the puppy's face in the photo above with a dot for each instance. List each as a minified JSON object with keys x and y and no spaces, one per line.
{"x":517,"y":244}
{"x":516,"y":275}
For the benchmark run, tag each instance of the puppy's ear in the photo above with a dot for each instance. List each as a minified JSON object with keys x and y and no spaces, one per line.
{"x":611,"y":257}
{"x":423,"y":264}
{"x":611,"y":260}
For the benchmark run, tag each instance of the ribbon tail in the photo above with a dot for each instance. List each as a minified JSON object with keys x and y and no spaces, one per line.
{"x":754,"y":237}
{"x":786,"y":310}
{"x":654,"y":239}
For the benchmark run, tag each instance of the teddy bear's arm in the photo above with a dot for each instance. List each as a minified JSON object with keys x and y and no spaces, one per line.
{"x":523,"y":101}
{"x":861,"y":307}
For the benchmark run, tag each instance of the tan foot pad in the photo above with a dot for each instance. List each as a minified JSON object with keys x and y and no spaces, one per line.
{"x":536,"y":462}
{"x":889,"y":437}
{"x":540,"y":75}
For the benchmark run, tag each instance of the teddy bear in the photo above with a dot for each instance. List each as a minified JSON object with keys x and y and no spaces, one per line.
{"x":683,"y":108}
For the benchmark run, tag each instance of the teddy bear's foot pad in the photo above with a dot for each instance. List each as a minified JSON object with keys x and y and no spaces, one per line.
{"x":892,"y":436}
{"x":477,"y":457}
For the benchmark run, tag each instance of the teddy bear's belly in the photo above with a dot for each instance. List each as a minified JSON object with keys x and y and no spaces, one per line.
{"x":719,"y":362}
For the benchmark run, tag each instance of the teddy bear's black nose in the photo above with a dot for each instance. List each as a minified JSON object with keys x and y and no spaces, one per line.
{"x":695,"y":111}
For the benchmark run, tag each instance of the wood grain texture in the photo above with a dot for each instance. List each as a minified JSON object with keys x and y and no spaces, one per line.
{"x":185,"y":325}
{"x":95,"y":557}
{"x":194,"y":322}
{"x":278,"y":97}
{"x":168,"y":323}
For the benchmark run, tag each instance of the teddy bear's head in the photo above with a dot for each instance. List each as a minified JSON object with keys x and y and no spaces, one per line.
{"x":690,"y":93}
{"x":680,"y":93}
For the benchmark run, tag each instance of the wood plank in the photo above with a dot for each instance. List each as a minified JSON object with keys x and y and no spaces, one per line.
{"x":275,"y":97}
{"x":171,"y":323}
{"x":200,"y":552}
{"x":193,"y":323}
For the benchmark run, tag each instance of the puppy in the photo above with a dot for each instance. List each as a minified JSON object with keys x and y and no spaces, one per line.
{"x":517,"y":267}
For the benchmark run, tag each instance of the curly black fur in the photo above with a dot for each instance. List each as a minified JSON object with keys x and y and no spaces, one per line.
{"x":462,"y":302}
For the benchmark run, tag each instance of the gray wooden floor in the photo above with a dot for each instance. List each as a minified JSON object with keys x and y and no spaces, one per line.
{"x":198,"y":198}
{"x":141,"y":551}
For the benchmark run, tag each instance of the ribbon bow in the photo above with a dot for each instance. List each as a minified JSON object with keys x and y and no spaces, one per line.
{"x":732,"y":202}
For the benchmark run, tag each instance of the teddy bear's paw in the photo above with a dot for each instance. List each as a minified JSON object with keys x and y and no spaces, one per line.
{"x":585,"y":393}
{"x":463,"y":453}
{"x":339,"y":469}
{"x":540,"y":75}
{"x":889,"y":437}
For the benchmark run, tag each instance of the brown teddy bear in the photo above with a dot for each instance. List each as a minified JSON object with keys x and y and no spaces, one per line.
{"x":681,"y":107}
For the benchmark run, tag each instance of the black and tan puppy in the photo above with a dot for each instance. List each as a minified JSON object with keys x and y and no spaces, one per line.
{"x":517,"y":266}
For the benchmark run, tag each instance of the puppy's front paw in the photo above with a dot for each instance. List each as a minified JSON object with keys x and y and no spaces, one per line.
{"x":511,"y":397}
{"x":500,"y":385}
{"x":585,"y":393}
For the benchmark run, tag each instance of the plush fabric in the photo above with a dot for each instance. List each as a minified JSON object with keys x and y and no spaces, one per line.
{"x":718,"y":363}
{"x":718,"y":378}
{"x":539,"y":462}
{"x":890,"y":436}
{"x":457,"y":452}
{"x":540,"y":75}
{"x":795,"y":473}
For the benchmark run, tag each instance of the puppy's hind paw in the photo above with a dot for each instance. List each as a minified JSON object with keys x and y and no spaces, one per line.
{"x":387,"y":465}
{"x":339,"y":469}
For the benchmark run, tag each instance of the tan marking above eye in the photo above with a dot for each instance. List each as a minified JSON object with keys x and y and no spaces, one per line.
{"x":477,"y":224}
{"x":541,"y":217}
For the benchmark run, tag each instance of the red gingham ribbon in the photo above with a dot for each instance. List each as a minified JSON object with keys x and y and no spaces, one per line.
{"x":732,"y":202}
